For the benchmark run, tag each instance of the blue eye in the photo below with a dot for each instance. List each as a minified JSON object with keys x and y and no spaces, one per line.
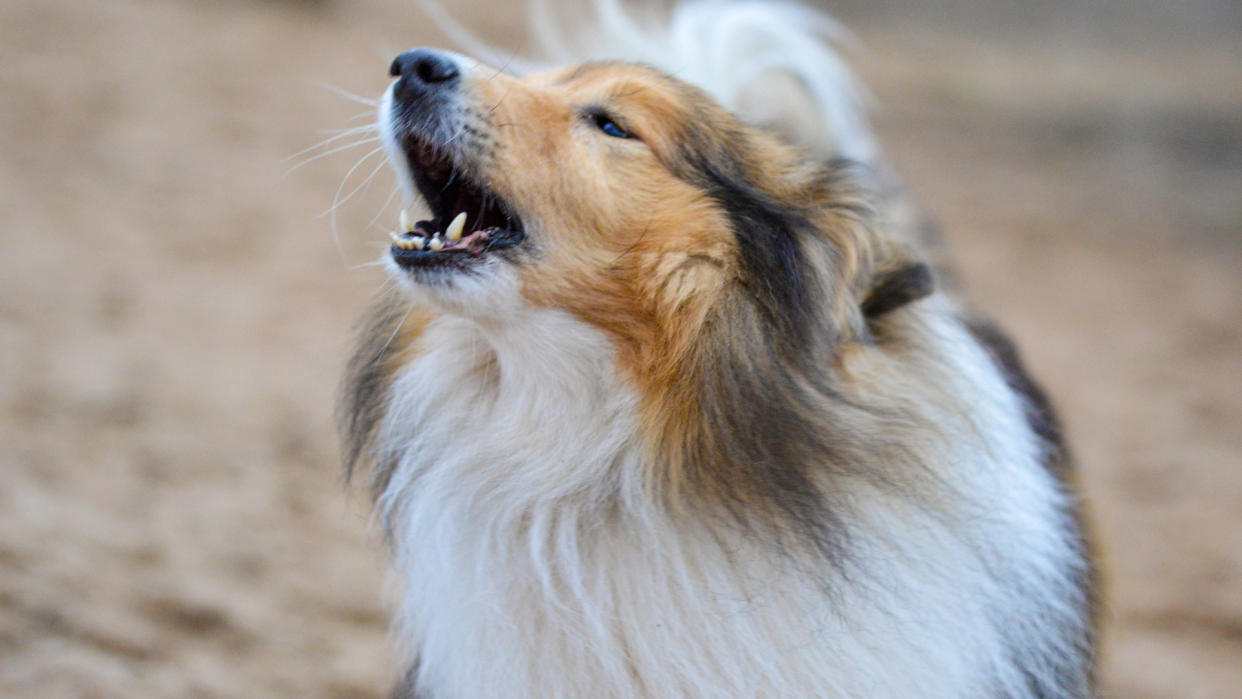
{"x":605,"y":123}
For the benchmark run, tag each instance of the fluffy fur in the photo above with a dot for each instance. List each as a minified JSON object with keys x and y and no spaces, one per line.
{"x":709,"y":429}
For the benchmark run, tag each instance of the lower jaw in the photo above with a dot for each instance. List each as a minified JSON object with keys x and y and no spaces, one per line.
{"x":465,"y":260}
{"x":436,"y":264}
{"x":419,"y":246}
{"x":487,"y":289}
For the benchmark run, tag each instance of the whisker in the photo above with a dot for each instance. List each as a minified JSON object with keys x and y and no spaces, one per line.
{"x":342,"y":133}
{"x":398,"y":328}
{"x":365,"y":183}
{"x":336,"y":198}
{"x":496,"y":106}
{"x":513,"y":56}
{"x":332,"y":151}
{"x":451,"y":179}
{"x":478,"y":218}
{"x":348,"y":95}
{"x":376,"y":263}
{"x":395,"y":188}
{"x":373,"y":126}
{"x":388,"y":287}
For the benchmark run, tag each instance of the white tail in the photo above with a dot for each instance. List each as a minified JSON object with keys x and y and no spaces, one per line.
{"x":772,"y":63}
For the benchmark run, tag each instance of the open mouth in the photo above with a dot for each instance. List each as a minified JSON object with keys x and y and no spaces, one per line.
{"x":468,"y":220}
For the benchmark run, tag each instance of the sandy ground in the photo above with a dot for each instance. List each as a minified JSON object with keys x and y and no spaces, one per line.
{"x":174,"y":315}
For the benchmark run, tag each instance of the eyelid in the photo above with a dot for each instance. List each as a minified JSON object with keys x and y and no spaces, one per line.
{"x":595,"y":114}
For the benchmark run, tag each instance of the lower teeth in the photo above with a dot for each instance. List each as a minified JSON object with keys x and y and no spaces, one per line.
{"x":435,"y":240}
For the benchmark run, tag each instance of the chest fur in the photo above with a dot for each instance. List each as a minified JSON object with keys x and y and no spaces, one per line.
{"x":536,"y":564}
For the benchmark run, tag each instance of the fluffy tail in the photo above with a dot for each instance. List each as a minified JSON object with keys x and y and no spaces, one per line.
{"x":772,"y":63}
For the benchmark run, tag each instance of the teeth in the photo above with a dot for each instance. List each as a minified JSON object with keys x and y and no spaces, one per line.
{"x":406,"y":242}
{"x":453,"y":232}
{"x":395,"y":238}
{"x":436,"y":244}
{"x":406,"y":225}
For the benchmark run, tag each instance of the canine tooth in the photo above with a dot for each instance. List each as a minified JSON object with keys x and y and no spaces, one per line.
{"x":406,"y":225}
{"x":395,"y":237}
{"x":436,"y":244}
{"x":453,"y":232}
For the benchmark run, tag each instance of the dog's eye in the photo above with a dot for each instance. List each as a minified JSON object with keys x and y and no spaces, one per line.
{"x":605,"y":123}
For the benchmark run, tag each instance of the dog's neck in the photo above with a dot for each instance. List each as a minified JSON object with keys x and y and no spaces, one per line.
{"x":523,"y":409}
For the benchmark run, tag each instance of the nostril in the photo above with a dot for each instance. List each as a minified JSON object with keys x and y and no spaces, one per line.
{"x":435,"y":69}
{"x":425,"y":66}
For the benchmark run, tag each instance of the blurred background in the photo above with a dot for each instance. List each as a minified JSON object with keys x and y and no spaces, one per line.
{"x":175,"y":311}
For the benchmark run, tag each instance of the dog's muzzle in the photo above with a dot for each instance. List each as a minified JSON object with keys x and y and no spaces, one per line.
{"x":428,"y":125}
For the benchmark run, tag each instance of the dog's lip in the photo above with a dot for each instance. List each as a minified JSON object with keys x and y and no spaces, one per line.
{"x":423,"y":246}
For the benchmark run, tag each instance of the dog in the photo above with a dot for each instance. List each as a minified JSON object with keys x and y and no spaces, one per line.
{"x":667,"y":400}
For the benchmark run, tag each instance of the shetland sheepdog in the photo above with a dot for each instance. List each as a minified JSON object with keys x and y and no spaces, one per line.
{"x":668,"y":402}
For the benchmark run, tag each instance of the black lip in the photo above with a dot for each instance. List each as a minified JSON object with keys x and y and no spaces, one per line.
{"x":427,"y":259}
{"x":502,"y":239}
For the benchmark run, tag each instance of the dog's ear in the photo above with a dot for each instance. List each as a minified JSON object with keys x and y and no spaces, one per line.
{"x":896,"y":286}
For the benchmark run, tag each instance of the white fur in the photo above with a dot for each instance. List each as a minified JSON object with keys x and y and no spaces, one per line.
{"x":396,"y":157}
{"x":537,"y":566}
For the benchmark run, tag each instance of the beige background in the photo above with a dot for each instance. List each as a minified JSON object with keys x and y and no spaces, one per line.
{"x":174,"y":315}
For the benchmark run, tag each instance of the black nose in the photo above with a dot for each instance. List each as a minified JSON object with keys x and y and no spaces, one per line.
{"x":423,"y":69}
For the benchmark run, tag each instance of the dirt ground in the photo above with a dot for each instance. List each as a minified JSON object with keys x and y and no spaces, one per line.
{"x":175,"y":313}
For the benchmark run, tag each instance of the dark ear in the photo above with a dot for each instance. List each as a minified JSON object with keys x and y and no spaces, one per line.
{"x":897,"y":287}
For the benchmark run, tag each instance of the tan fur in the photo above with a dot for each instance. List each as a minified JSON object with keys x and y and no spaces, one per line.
{"x":635,"y":250}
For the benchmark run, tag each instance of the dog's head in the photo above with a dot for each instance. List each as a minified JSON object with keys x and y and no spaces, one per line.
{"x":622,"y":195}
{"x":727,"y":269}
